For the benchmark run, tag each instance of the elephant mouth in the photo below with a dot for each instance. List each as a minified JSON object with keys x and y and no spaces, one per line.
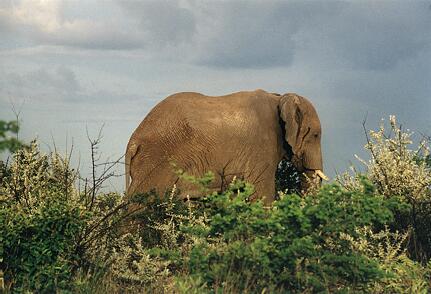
{"x":298,"y":163}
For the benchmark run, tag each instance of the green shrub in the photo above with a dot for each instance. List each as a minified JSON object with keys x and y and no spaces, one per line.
{"x":154,"y":211}
{"x":287,"y":178}
{"x":50,"y":229}
{"x":403,"y":275}
{"x":399,"y":172}
{"x":294,"y":246}
{"x":38,"y":246}
{"x":39,"y":224}
{"x":8,"y":142}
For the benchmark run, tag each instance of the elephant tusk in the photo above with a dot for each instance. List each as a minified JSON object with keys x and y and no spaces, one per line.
{"x":321,"y":175}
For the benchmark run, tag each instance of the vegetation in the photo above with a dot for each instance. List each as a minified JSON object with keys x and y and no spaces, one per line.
{"x":366,"y":232}
{"x":287,"y":178}
{"x":9,"y":142}
{"x":399,"y":172}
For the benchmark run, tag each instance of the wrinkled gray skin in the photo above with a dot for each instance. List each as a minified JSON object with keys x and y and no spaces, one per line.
{"x":242,"y":134}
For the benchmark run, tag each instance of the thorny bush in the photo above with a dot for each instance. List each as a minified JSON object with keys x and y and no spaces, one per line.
{"x":399,"y":171}
{"x":48,"y":230}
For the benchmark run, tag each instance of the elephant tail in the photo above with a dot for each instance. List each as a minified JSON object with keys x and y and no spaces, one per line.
{"x":131,"y":151}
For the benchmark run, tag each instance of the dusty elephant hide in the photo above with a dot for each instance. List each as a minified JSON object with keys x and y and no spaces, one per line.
{"x":244,"y":135}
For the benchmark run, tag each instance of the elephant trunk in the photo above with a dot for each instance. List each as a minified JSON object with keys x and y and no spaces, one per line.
{"x":312,"y":160}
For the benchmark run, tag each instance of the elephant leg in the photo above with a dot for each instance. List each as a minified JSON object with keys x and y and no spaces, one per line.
{"x":264,"y":185}
{"x":164,"y":181}
{"x":161,"y":178}
{"x":265,"y":190}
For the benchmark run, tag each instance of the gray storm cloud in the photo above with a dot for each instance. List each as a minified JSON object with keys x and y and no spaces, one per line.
{"x":378,"y":35}
{"x":237,"y":34}
{"x":261,"y":34}
{"x":41,"y":84}
{"x":162,"y":23}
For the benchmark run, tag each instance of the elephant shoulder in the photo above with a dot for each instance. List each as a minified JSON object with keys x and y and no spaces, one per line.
{"x":260,"y":92}
{"x":169,"y":105}
{"x":182,"y":96}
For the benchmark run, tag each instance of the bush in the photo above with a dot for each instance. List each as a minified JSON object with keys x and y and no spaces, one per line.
{"x":39,"y":224}
{"x":403,"y":275}
{"x":398,"y":172}
{"x":38,"y":246}
{"x":7,"y":141}
{"x":49,"y":228}
{"x":294,"y":246}
{"x":287,"y":178}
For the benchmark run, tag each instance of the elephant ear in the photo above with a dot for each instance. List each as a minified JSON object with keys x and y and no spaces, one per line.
{"x":290,"y":113}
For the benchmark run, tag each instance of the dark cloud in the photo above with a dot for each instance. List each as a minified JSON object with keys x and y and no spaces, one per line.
{"x":364,"y":35}
{"x":260,"y":34}
{"x":247,"y":35}
{"x":61,"y":79}
{"x":99,"y":38}
{"x":42,"y":84}
{"x":162,"y":22}
{"x":237,"y":34}
{"x":377,"y":35}
{"x":61,"y":85}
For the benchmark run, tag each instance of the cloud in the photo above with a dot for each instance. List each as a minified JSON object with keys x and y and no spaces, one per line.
{"x":377,"y":35}
{"x":41,"y":84}
{"x":366,"y":35}
{"x":61,"y":79}
{"x":231,"y":34}
{"x":256,"y":34}
{"x":61,"y":85}
{"x":227,"y":34}
{"x":162,"y":22}
{"x":246,"y":35}
{"x":44,"y":23}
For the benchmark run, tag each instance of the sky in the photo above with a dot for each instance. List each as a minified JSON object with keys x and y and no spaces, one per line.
{"x":72,"y":67}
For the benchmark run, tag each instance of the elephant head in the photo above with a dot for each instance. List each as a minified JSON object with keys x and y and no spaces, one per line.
{"x":303,"y":135}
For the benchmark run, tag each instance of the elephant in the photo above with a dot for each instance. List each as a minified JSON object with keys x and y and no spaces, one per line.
{"x":244,"y":134}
